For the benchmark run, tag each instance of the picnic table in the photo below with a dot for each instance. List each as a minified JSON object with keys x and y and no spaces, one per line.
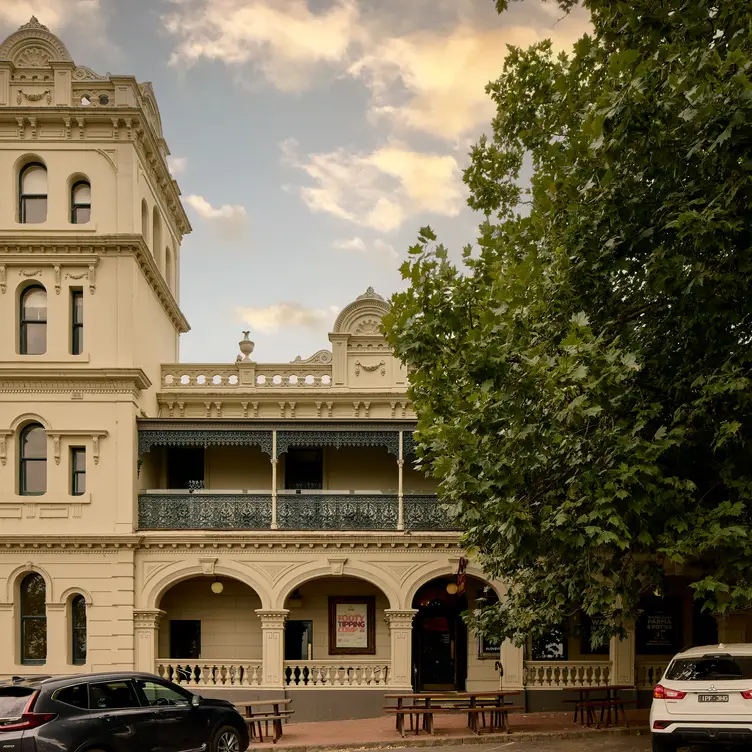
{"x":258,"y":716}
{"x":586,"y":704}
{"x":476,"y":704}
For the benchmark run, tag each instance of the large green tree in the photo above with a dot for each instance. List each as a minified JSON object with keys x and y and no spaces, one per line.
{"x":582,"y":378}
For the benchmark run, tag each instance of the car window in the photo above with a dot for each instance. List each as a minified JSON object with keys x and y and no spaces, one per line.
{"x":13,"y":700}
{"x":711,"y":668}
{"x":113,"y":695}
{"x":77,"y":696}
{"x":161,"y":694}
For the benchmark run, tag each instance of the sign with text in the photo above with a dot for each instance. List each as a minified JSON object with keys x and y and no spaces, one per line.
{"x":352,"y":625}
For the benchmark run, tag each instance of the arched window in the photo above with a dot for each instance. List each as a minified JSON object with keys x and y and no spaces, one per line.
{"x":33,"y":619}
{"x":33,"y":194}
{"x":145,"y":221}
{"x":168,"y":267}
{"x":78,"y":630}
{"x":32,"y":453}
{"x":80,"y":202}
{"x":156,"y":228}
{"x":33,"y":330}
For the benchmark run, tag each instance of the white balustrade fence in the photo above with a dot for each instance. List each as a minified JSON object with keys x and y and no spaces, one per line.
{"x":336,"y":673}
{"x":210,"y":673}
{"x":558,"y":674}
{"x":649,"y":673}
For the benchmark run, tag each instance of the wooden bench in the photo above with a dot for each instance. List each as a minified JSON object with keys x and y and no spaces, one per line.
{"x":604,"y":706}
{"x":497,"y":716}
{"x":254,"y":724}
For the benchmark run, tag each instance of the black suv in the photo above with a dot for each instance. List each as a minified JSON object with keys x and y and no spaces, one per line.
{"x":114,"y":712}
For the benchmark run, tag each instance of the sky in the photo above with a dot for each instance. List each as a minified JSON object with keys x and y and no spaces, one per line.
{"x":311,"y":140}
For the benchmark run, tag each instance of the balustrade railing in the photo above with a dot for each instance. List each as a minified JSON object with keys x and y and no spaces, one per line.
{"x":259,"y":376}
{"x":336,"y":673}
{"x":204,"y":511}
{"x":558,"y":674}
{"x":308,"y":510}
{"x":649,"y":673}
{"x":337,"y":512}
{"x":210,"y":673}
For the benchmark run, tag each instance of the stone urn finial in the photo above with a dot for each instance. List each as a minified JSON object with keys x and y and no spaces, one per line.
{"x":246,"y":347}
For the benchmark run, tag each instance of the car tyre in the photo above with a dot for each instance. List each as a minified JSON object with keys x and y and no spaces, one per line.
{"x":664,"y":743}
{"x":226,"y":739}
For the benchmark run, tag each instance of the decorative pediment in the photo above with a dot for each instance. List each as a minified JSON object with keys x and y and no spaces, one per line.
{"x":362,"y":318}
{"x":33,"y":46}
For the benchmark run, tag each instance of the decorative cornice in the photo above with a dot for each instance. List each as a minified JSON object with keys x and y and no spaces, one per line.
{"x":231,"y":424}
{"x":19,"y":251}
{"x":51,"y":378}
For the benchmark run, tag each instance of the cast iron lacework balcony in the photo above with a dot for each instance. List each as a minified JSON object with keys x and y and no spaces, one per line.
{"x":304,"y":510}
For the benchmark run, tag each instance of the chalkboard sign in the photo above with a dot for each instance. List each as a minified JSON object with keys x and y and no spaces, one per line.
{"x":658,"y":628}
{"x":588,"y":625}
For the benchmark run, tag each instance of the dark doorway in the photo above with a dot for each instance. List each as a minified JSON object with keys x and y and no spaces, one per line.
{"x":704,"y":626}
{"x":439,"y":639}
{"x":185,"y":639}
{"x":298,"y":640}
{"x":304,"y":469}
{"x":185,"y":467}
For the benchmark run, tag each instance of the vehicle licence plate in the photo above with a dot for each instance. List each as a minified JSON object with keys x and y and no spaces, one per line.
{"x":713,"y":698}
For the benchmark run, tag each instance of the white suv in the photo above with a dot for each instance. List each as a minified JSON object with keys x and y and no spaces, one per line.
{"x":705,"y":696}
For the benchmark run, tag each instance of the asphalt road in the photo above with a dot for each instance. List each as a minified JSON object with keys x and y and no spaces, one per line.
{"x":597,"y":743}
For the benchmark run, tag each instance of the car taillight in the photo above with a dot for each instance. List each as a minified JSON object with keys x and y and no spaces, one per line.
{"x":29,"y":719}
{"x":664,"y":693}
{"x":747,"y":695}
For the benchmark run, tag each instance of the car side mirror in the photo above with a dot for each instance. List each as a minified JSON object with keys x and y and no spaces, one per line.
{"x":195,"y":701}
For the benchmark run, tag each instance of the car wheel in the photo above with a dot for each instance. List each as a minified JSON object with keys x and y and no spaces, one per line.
{"x":664,"y":743}
{"x":227,"y":739}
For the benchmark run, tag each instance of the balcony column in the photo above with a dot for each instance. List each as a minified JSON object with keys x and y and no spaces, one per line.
{"x":622,"y":655}
{"x":274,"y":480}
{"x":57,"y":635}
{"x":512,"y":661}
{"x":146,"y":626}
{"x":400,"y":624}
{"x":400,"y":481}
{"x":272,"y":647}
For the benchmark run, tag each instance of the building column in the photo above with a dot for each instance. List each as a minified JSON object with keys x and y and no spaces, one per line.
{"x":57,"y":635}
{"x":275,"y":462}
{"x":622,"y":655}
{"x":400,"y":482}
{"x":272,"y":647}
{"x":400,"y":624}
{"x":732,"y":627}
{"x":146,"y":627}
{"x":512,"y":661}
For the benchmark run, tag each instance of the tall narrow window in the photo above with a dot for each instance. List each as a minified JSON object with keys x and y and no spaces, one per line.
{"x":145,"y":221}
{"x":33,"y":334}
{"x":77,"y":322}
{"x":33,"y":619}
{"x":33,"y":194}
{"x":78,"y":471}
{"x":304,"y":469}
{"x":168,"y":267}
{"x":78,"y":630}
{"x":156,"y":229}
{"x":80,"y":202}
{"x":32,"y":479}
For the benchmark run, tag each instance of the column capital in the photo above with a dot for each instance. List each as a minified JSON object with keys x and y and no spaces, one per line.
{"x":400,"y":617}
{"x":147,"y":618}
{"x":55,"y":606}
{"x":272,"y":618}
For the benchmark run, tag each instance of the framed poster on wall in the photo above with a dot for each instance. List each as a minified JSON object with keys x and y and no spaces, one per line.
{"x":489,"y":647}
{"x":352,"y":625}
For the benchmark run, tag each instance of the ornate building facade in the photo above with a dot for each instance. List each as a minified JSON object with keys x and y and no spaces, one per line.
{"x":241,"y":528}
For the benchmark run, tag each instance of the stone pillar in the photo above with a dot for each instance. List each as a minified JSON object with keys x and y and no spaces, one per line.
{"x":400,"y":482}
{"x":512,"y":661}
{"x":58,"y":644}
{"x":273,"y":647}
{"x":622,"y":655}
{"x":732,"y":627}
{"x":146,"y":627}
{"x":8,"y":626}
{"x":400,"y":624}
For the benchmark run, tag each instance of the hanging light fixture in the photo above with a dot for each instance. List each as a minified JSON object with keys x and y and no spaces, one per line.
{"x":217,"y":587}
{"x":452,"y":588}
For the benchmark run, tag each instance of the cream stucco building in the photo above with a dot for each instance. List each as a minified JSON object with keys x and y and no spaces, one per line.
{"x":242,"y":528}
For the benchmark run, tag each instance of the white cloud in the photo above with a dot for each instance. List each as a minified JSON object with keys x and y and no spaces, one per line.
{"x":282,"y":39}
{"x":382,"y":189}
{"x":378,"y":248}
{"x":55,"y":14}
{"x":230,"y":218}
{"x":270,"y":319}
{"x":177,"y":165}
